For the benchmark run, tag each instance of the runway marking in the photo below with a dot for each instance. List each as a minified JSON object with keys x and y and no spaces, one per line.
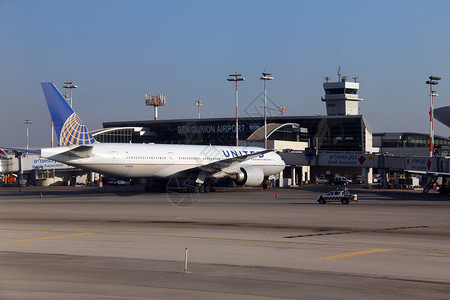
{"x":343,"y":231}
{"x":55,"y":237}
{"x":215,"y":238}
{"x":350,"y":254}
{"x":166,"y":236}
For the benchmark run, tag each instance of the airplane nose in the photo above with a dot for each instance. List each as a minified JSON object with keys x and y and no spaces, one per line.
{"x":282,"y":163}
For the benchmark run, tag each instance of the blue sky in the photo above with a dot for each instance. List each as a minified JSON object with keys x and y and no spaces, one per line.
{"x":118,"y":51}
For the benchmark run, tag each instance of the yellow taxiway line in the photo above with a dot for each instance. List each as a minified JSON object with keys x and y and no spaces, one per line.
{"x":350,"y":254}
{"x":54,"y":237}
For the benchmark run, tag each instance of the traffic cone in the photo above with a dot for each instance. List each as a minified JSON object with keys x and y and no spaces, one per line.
{"x":276,"y":194}
{"x":41,"y":195}
{"x":261,"y":189}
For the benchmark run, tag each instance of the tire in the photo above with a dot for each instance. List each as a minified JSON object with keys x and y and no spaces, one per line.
{"x":345,"y":201}
{"x":322,"y":201}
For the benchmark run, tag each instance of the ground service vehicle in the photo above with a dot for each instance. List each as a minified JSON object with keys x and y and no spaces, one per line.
{"x":322,"y":180}
{"x":343,"y":196}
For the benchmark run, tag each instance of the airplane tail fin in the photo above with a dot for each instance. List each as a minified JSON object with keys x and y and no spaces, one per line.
{"x":3,"y":154}
{"x":68,"y":126}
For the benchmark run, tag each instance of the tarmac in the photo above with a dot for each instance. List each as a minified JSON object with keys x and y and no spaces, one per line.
{"x":122,"y":243}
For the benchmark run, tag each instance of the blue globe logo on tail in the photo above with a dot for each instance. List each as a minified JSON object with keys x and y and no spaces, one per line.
{"x":74,"y":132}
{"x":68,"y":126}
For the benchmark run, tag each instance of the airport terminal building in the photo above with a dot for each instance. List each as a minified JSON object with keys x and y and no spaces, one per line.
{"x":343,"y":129}
{"x":328,"y":133}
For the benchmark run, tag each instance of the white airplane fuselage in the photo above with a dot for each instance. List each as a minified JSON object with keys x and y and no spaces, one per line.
{"x":162,"y":160}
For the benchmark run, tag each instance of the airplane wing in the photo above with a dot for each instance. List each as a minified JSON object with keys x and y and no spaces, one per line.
{"x":81,"y":151}
{"x":77,"y":151}
{"x":229,"y":165}
{"x":428,"y":173}
{"x":20,"y":150}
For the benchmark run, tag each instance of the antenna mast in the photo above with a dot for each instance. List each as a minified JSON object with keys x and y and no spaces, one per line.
{"x":198,"y":103}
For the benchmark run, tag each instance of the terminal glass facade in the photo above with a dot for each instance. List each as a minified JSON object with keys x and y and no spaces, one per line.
{"x":409,"y":140}
{"x":332,"y":133}
{"x":124,"y":135}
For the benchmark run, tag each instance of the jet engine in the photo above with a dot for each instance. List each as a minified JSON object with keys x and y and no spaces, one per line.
{"x":249,"y":176}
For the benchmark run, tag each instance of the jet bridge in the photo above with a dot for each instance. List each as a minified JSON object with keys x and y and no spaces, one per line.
{"x":359,"y":163}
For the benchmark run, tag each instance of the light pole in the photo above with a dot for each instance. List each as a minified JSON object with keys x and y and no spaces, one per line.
{"x":27,"y":122}
{"x":265,"y":77}
{"x":70,"y":85}
{"x":432,"y":81}
{"x":155,"y":101}
{"x":198,"y":103}
{"x":236,"y":79}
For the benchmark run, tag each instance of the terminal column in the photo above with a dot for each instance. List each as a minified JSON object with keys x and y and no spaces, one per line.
{"x":281,"y":179}
{"x":294,"y":181}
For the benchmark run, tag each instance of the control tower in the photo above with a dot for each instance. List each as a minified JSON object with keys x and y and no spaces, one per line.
{"x":341,"y":97}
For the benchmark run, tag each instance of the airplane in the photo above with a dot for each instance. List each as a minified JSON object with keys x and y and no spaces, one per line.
{"x":161,"y":163}
{"x":3,"y":154}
